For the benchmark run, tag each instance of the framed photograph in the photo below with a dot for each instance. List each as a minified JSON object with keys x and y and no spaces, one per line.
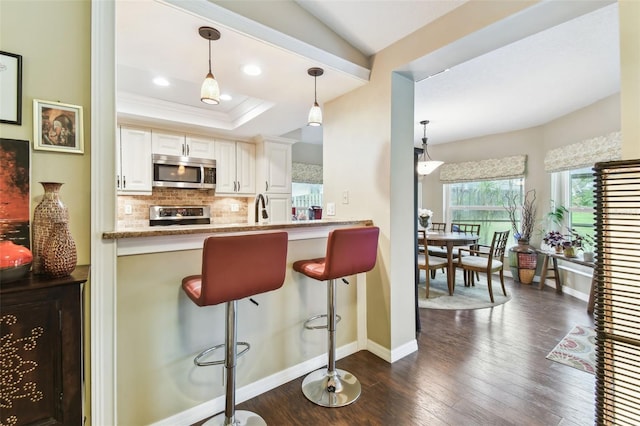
{"x":57,"y":127}
{"x":10,"y":88}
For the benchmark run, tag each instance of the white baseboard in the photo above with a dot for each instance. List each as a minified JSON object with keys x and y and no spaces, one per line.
{"x":216,"y":405}
{"x":396,"y":354}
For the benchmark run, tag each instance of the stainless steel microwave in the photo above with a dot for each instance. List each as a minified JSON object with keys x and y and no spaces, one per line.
{"x":183,"y":172}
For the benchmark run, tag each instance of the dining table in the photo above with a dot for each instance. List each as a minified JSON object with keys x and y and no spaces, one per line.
{"x":449,"y":240}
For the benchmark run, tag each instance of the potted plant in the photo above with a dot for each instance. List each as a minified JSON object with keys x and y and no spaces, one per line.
{"x":523,"y":259}
{"x":585,"y":243}
{"x":556,"y":215}
{"x":424,"y":217}
{"x":528,"y":215}
{"x":555,"y":240}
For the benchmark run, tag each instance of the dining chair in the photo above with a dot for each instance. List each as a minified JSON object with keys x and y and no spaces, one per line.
{"x":438,"y":227}
{"x":466,"y":228}
{"x":430,"y":264}
{"x":487,"y":259}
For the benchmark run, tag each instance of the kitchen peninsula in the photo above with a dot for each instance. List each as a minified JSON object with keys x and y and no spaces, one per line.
{"x":159,"y":330}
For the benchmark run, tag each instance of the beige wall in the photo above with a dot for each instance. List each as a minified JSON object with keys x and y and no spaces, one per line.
{"x":630,"y":77}
{"x":358,"y":159}
{"x":600,"y":118}
{"x":160,"y":331}
{"x":59,"y":69}
{"x":53,"y":38}
{"x":54,"y":69}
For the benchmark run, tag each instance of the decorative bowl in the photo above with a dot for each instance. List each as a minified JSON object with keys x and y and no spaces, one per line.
{"x":15,"y":261}
{"x":14,"y":273}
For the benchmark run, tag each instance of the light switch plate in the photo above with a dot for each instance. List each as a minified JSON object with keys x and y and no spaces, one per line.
{"x":331,"y":209}
{"x":128,"y":209}
{"x":235,"y":207}
{"x":345,"y":197}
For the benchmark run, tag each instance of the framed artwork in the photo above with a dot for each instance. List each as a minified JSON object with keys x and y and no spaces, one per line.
{"x":14,"y":191}
{"x":57,"y":127}
{"x":10,"y":88}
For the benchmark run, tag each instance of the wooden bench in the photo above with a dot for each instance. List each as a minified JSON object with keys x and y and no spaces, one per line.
{"x":577,"y":260}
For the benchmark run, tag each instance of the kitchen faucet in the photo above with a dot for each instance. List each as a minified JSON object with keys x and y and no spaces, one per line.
{"x":264,"y":213}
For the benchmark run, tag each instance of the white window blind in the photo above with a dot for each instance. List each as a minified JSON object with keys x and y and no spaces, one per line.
{"x":306,"y":173}
{"x":584,"y":153}
{"x":492,"y":169}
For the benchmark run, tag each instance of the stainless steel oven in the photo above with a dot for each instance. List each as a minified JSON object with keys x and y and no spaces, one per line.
{"x":179,"y":215}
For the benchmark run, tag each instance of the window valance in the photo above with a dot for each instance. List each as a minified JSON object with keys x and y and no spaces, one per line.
{"x":584,"y":153}
{"x":492,"y":169}
{"x":306,"y":173}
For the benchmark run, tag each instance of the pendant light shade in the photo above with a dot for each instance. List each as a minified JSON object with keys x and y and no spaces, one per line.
{"x":426,"y":165}
{"x":210,"y":91}
{"x":315,"y":114}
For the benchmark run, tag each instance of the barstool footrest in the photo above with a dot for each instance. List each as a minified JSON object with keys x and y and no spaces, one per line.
{"x":318,"y":327}
{"x":207,"y":351}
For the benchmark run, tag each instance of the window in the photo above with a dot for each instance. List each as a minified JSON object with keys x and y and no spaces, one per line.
{"x":305,"y":195}
{"x":574,"y":189}
{"x":582,"y":201}
{"x":482,"y":203}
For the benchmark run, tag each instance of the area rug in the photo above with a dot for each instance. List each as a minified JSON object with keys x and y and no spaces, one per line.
{"x":476,"y":297}
{"x":577,"y":349}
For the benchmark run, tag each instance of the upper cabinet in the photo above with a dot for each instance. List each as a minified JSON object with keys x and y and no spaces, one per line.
{"x":176,"y":144}
{"x":235,"y":168}
{"x":273,"y":165}
{"x":133,"y":160}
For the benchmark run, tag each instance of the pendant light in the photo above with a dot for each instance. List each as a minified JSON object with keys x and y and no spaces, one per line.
{"x":210,"y":91}
{"x":426,"y":165}
{"x":315,"y":114}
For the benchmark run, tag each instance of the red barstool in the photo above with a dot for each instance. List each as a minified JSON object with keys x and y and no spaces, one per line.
{"x":235,"y":267}
{"x":349,"y":251}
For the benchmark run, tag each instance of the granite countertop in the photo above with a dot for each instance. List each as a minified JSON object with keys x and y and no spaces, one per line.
{"x":155,"y":231}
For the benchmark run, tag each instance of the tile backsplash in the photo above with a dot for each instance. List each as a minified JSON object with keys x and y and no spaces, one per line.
{"x":220,"y":206}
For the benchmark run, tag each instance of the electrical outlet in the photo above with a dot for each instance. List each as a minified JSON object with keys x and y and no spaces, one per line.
{"x":128,"y":209}
{"x":331,"y":209}
{"x":235,"y":207}
{"x":345,"y":197}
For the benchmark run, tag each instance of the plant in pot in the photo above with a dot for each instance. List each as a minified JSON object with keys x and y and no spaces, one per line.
{"x":523,"y":258}
{"x":586,"y":243}
{"x":555,"y":240}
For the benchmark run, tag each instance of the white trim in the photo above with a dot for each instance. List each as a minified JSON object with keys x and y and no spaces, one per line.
{"x":254,"y":389}
{"x":395,"y":355}
{"x":361,"y":310}
{"x":103,"y":252}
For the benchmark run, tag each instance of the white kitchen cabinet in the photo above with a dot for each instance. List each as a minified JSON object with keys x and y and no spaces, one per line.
{"x":134,"y":170}
{"x":200,"y":147}
{"x":273,"y":165}
{"x":181,"y":145}
{"x":235,"y":168}
{"x":279,"y":208}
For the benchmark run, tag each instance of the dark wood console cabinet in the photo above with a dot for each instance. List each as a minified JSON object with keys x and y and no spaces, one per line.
{"x":41,"y":350}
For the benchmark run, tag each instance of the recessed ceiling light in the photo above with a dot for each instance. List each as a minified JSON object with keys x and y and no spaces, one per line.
{"x":161,"y":81}
{"x":251,"y":70}
{"x":225,"y":97}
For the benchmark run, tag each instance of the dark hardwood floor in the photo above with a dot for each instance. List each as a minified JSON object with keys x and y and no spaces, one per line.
{"x":473,"y":367}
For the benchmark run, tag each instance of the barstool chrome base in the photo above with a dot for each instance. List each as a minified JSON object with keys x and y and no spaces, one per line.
{"x":241,"y":418}
{"x":335,"y":389}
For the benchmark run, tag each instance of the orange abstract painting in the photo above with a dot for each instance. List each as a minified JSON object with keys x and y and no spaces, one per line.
{"x":14,"y":191}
